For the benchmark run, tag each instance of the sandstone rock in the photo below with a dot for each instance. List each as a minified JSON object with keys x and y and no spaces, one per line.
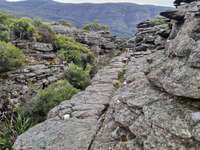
{"x":74,"y":123}
{"x":156,"y":107}
{"x":174,"y":14}
{"x":152,"y":34}
{"x":72,"y":134}
{"x":178,"y":2}
{"x":42,"y":47}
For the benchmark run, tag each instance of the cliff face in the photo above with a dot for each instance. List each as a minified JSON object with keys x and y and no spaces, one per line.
{"x":157,"y":105}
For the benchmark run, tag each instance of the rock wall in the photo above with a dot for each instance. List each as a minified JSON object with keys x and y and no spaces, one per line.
{"x":156,"y":107}
{"x":41,"y":68}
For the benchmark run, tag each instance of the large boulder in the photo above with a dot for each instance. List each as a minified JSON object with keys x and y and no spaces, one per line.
{"x":178,"y":2}
{"x":178,"y":73}
{"x":152,"y":34}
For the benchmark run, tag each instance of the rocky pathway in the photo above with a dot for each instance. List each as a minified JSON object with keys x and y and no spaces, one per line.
{"x":74,"y":124}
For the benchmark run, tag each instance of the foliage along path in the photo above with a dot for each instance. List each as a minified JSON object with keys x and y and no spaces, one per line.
{"x":74,"y":124}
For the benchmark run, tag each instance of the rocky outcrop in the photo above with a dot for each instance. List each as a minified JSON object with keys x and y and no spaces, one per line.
{"x":152,"y":34}
{"x":41,"y":68}
{"x":101,"y":43}
{"x":180,"y":70}
{"x":178,"y":2}
{"x":156,"y":107}
{"x":74,"y":123}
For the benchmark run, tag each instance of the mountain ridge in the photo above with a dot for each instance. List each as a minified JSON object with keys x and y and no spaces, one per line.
{"x":122,"y":18}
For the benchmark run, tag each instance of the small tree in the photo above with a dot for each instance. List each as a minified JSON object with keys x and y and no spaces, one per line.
{"x":10,"y":57}
{"x":64,"y":23}
{"x":23,"y":29}
{"x":96,"y":26}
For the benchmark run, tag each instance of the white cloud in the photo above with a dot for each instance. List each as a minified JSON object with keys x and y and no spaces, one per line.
{"x":14,"y":0}
{"x":151,"y":2}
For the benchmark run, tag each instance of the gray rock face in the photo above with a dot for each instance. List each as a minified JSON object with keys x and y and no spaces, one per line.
{"x":17,"y":87}
{"x":142,"y":117}
{"x":101,"y":43}
{"x":178,"y":74}
{"x":178,"y":2}
{"x":59,"y":134}
{"x":74,"y":123}
{"x":42,"y":47}
{"x":156,"y":107}
{"x":152,"y":34}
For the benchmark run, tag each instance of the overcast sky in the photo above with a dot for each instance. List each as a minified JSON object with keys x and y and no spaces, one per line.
{"x":153,"y":2}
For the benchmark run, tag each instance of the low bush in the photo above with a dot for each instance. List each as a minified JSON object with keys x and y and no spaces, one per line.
{"x":116,"y":85}
{"x":4,"y":36}
{"x":77,"y":76}
{"x":121,"y":76}
{"x":45,"y":32}
{"x":64,"y":23}
{"x":95,"y":26}
{"x":11,"y":57}
{"x":71,"y":51}
{"x":15,"y":124}
{"x":52,"y":96}
{"x":159,"y":22}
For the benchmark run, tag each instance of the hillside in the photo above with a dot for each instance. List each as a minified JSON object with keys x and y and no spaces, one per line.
{"x":122,"y":18}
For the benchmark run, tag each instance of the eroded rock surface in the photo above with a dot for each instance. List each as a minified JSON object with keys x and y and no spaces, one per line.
{"x":156,"y":107}
{"x":74,"y":123}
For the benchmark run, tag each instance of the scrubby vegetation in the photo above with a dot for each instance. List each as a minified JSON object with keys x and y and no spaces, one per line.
{"x":16,"y":123}
{"x":10,"y":57}
{"x":118,"y":83}
{"x":159,"y":22}
{"x":23,"y":29}
{"x":64,"y":23}
{"x":46,"y":33}
{"x":80,"y":61}
{"x":4,"y":36}
{"x":121,"y":76}
{"x":95,"y":26}
{"x":77,"y":76}
{"x":52,"y":96}
{"x":71,"y":51}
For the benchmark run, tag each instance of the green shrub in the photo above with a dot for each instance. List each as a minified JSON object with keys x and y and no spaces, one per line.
{"x":121,"y":76}
{"x":116,"y":85}
{"x":159,"y":22}
{"x":45,"y":32}
{"x":95,"y":26}
{"x":64,"y":23}
{"x":10,"y":57}
{"x":52,"y":96}
{"x":23,"y":29}
{"x":70,"y":50}
{"x":3,"y":18}
{"x":71,"y":56}
{"x":17,"y":123}
{"x":77,"y":76}
{"x":4,"y":36}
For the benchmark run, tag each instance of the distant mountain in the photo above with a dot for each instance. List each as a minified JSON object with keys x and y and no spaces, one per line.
{"x":120,"y":17}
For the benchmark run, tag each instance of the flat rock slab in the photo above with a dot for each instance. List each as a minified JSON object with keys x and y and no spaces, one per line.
{"x":57,"y":134}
